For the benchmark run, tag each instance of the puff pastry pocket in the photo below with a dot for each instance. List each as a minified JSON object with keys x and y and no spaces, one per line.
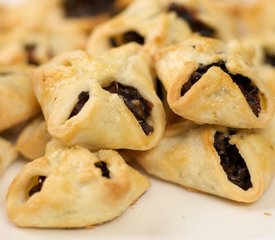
{"x":209,"y":82}
{"x":101,"y":102}
{"x":148,"y":23}
{"x":8,"y":154}
{"x":72,"y":188}
{"x":17,"y":100}
{"x":233,"y":165}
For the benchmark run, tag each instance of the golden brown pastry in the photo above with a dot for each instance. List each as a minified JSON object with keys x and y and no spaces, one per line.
{"x":144,"y":22}
{"x":73,"y":188}
{"x":17,"y":100}
{"x":209,"y":82}
{"x":35,"y":31}
{"x":101,"y":102}
{"x":157,"y":23}
{"x":233,"y":165}
{"x":33,"y":15}
{"x":32,"y":141}
{"x":8,"y":154}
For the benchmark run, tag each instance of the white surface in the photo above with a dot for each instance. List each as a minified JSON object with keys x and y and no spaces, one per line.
{"x":165,"y":212}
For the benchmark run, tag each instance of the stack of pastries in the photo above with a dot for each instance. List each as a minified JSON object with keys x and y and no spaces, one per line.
{"x":182,"y":87}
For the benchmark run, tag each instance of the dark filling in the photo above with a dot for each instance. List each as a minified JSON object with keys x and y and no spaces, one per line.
{"x":37,"y":188}
{"x":248,"y":89}
{"x":103,"y":167}
{"x":159,"y":89}
{"x":87,"y":8}
{"x":190,"y":17}
{"x":5,"y":73}
{"x":83,"y":97}
{"x":130,"y":36}
{"x":30,"y":50}
{"x":269,"y":58}
{"x":140,"y":107}
{"x":232,"y":162}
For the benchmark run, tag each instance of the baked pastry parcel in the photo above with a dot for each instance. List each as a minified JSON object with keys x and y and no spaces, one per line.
{"x":21,"y":46}
{"x":142,"y":22}
{"x":24,"y":47}
{"x":17,"y":100}
{"x":33,"y":15}
{"x":101,"y":102}
{"x":36,"y":31}
{"x":157,"y":23}
{"x":73,"y":188}
{"x":210,"y":82}
{"x":236,"y":165}
{"x":32,"y":140}
{"x":8,"y":154}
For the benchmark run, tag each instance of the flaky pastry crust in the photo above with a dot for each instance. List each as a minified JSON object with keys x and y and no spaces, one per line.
{"x":103,"y":120}
{"x":80,"y":189}
{"x":206,"y":81}
{"x":189,"y":158}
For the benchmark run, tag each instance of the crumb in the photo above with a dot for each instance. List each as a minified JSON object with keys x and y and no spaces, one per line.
{"x":267,"y":214}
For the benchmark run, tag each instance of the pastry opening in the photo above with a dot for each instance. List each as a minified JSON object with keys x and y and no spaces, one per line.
{"x":83,"y":97}
{"x":30,"y":49}
{"x":140,"y":107}
{"x":37,"y":185}
{"x":159,"y":89}
{"x":190,"y":17}
{"x":104,"y":169}
{"x":87,"y":8}
{"x":127,"y":37}
{"x":248,"y":89}
{"x":269,"y":58}
{"x":232,"y":162}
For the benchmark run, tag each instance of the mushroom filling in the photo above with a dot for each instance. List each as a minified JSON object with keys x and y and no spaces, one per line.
{"x":30,"y":51}
{"x":232,"y":162}
{"x":38,"y":186}
{"x":269,"y":58}
{"x":87,"y":8}
{"x":104,"y":169}
{"x":83,"y":97}
{"x":190,"y":17}
{"x":248,"y":89}
{"x":159,"y":89}
{"x":130,"y":36}
{"x":140,"y":107}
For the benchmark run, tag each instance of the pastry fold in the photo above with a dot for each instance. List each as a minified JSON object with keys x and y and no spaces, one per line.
{"x":17,"y":100}
{"x":233,"y":165}
{"x":73,"y":188}
{"x":210,"y":82}
{"x":106,"y":102}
